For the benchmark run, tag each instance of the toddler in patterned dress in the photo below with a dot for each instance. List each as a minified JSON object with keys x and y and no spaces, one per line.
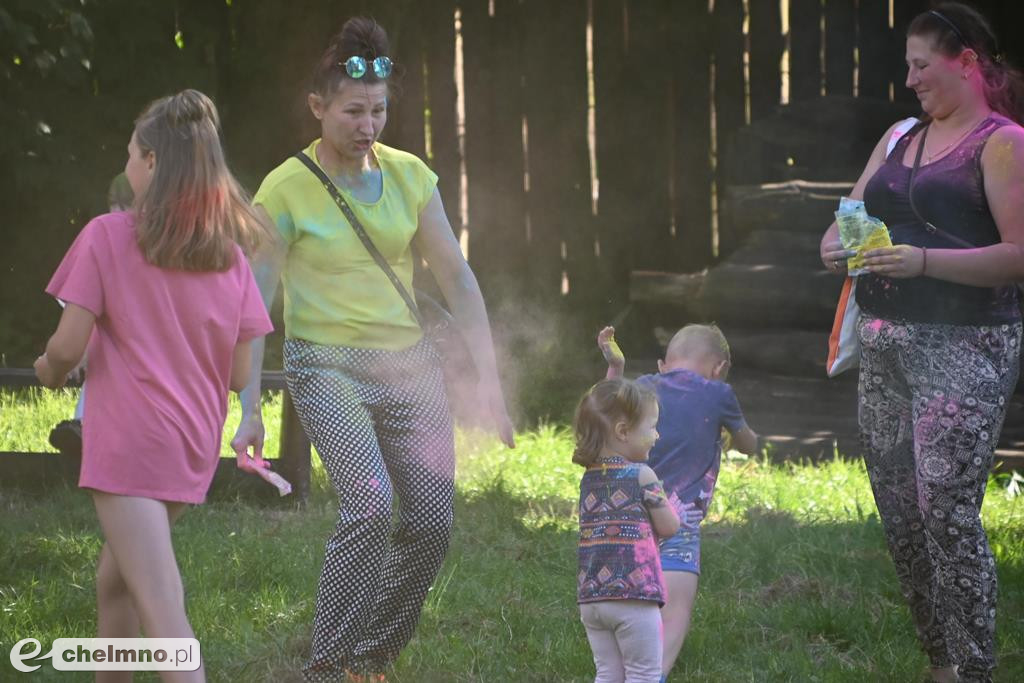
{"x":620,"y":587}
{"x":697,"y":405}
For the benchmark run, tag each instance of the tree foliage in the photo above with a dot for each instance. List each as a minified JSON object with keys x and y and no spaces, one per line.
{"x":40,"y":40}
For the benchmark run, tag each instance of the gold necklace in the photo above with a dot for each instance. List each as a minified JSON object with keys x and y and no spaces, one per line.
{"x":932,"y":155}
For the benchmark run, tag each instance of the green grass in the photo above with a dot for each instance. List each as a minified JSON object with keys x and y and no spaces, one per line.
{"x":797,"y":585}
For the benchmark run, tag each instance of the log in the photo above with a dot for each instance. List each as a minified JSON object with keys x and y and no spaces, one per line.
{"x":781,"y":248}
{"x":679,"y":289}
{"x":797,"y":206}
{"x":801,"y":140}
{"x":795,"y":353}
{"x":774,"y":297}
{"x":770,"y":296}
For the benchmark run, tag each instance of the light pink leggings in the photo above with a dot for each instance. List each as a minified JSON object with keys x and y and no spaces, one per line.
{"x":626,"y":638}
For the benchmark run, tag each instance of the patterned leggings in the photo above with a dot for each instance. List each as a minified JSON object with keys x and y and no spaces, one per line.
{"x":380,"y":422}
{"x":932,"y":402}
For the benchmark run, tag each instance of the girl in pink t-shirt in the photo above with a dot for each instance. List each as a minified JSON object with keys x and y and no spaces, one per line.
{"x":163,"y":298}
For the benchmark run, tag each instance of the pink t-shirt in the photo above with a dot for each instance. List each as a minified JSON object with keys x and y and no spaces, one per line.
{"x":159,"y":361}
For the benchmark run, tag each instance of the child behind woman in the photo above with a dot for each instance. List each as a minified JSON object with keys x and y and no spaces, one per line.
{"x":696,"y":406}
{"x":620,"y":588}
{"x":165,"y":301}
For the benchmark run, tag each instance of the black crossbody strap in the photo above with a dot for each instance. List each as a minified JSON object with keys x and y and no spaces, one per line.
{"x":930,"y":227}
{"x":332,"y":190}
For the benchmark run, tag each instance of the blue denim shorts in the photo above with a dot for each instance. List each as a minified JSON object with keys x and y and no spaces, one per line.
{"x":681,"y":553}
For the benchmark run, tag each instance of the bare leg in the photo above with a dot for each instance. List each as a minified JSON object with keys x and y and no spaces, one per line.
{"x":116,"y":616}
{"x":138,"y":533}
{"x":682,"y":591}
{"x":115,"y":612}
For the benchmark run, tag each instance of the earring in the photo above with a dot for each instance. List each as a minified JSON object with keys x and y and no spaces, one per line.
{"x":964,"y":75}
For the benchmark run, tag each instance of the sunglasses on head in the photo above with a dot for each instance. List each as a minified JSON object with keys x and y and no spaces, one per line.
{"x":356,"y":66}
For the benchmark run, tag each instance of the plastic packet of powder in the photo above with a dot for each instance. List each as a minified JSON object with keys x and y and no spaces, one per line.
{"x":860,"y":232}
{"x":275,"y":480}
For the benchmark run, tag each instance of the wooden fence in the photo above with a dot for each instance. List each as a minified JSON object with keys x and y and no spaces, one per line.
{"x":591,"y":126}
{"x":575,"y":140}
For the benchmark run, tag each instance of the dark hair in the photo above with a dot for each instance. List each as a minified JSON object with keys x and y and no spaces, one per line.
{"x":955,"y":27}
{"x":607,"y":402}
{"x":359,"y":36}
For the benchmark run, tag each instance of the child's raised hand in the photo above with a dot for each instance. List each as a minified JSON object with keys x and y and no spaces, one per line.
{"x":610,"y":350}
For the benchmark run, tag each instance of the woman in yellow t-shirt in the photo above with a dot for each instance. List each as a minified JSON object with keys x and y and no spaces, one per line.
{"x":365,"y":382}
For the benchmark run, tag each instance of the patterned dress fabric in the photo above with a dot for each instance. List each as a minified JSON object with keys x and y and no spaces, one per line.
{"x":618,"y":551}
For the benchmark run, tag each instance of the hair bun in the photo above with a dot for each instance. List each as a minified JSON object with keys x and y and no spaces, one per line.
{"x":191,"y":106}
{"x":362,"y":36}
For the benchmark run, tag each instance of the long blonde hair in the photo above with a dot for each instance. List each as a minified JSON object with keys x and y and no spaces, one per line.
{"x":606,"y":403}
{"x":194,"y":211}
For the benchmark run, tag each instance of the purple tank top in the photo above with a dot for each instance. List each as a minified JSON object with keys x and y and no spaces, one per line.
{"x":949,"y":193}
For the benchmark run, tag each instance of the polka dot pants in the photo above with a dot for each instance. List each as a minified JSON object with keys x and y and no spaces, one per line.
{"x":380,"y":423}
{"x":932,"y":403}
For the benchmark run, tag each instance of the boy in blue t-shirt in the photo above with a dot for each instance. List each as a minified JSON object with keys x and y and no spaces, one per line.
{"x":696,"y":404}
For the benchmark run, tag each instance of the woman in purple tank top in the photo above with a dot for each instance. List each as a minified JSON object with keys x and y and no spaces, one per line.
{"x":940,"y":327}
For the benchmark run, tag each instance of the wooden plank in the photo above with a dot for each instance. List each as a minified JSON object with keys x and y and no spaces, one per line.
{"x":272,"y":380}
{"x":805,"y":77}
{"x":406,"y":109}
{"x":766,"y":46}
{"x":494,"y":149}
{"x":691,"y":167}
{"x":294,"y":450}
{"x":874,"y":46}
{"x":730,"y":104}
{"x":41,"y":472}
{"x":439,"y":50}
{"x":555,"y":103}
{"x":649,"y":78}
{"x":840,"y":30}
{"x":612,"y":69}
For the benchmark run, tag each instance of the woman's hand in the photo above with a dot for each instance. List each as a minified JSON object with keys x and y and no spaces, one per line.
{"x":833,"y":257}
{"x":250,"y":434}
{"x":899,"y":261}
{"x":499,"y":413}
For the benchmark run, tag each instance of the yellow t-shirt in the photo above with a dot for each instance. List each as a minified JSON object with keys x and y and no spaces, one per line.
{"x":334,"y":292}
